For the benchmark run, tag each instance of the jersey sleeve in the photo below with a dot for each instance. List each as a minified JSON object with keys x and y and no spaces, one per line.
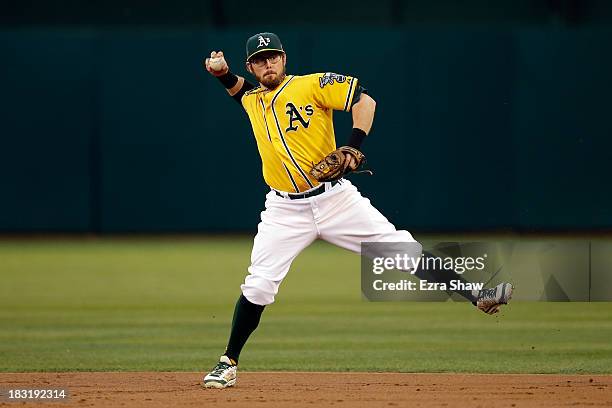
{"x":248,"y":100}
{"x":334,"y":91}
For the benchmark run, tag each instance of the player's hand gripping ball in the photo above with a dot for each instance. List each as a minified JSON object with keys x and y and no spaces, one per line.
{"x":216,"y":64}
{"x":337,"y":164}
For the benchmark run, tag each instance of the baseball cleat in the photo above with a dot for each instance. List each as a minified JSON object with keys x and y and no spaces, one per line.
{"x":223,"y":375}
{"x":490,"y":300}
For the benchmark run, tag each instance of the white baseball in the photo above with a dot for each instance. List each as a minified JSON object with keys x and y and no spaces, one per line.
{"x":216,"y":64}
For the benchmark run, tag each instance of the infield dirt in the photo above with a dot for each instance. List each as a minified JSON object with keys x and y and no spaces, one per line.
{"x":305,"y":389}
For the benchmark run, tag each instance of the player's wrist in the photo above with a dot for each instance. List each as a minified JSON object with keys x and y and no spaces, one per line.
{"x":357,"y":137}
{"x":228,"y":80}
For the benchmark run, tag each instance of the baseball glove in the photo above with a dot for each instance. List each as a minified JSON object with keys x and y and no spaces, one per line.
{"x":337,"y":164}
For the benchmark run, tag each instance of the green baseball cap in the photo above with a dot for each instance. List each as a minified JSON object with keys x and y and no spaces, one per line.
{"x":263,"y":42}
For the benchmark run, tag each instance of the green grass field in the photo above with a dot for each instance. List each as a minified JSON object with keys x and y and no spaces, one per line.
{"x":166,"y":304}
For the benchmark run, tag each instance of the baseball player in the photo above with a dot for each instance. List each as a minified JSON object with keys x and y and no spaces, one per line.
{"x":291,"y":118}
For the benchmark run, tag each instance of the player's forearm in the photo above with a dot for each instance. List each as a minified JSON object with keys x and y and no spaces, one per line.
{"x":363,"y":113}
{"x":235,"y":85}
{"x":236,"y":88}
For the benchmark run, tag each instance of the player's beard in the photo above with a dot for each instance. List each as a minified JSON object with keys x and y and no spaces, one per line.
{"x":272,"y":82}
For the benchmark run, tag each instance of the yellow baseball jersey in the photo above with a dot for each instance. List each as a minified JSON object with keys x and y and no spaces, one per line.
{"x":293,"y":125}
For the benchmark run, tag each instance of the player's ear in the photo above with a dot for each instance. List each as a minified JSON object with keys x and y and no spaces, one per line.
{"x":248,"y":67}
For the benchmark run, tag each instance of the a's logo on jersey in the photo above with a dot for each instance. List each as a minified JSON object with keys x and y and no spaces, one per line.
{"x":330,"y":77}
{"x":263,"y":41}
{"x":295,"y":115}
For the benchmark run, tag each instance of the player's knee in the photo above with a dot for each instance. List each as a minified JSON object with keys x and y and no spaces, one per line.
{"x":403,"y":236}
{"x":257,"y":297}
{"x":259,"y":291}
{"x":392,"y":244}
{"x":397,"y":236}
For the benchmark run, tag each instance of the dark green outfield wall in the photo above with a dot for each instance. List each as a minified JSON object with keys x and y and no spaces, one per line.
{"x":118,"y":130}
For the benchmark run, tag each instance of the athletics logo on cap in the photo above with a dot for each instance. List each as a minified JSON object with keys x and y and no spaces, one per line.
{"x":263,"y":41}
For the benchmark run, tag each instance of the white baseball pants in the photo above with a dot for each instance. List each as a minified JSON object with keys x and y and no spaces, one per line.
{"x":340,"y":215}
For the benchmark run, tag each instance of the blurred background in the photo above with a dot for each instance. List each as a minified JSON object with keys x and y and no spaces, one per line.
{"x":491,"y":116}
